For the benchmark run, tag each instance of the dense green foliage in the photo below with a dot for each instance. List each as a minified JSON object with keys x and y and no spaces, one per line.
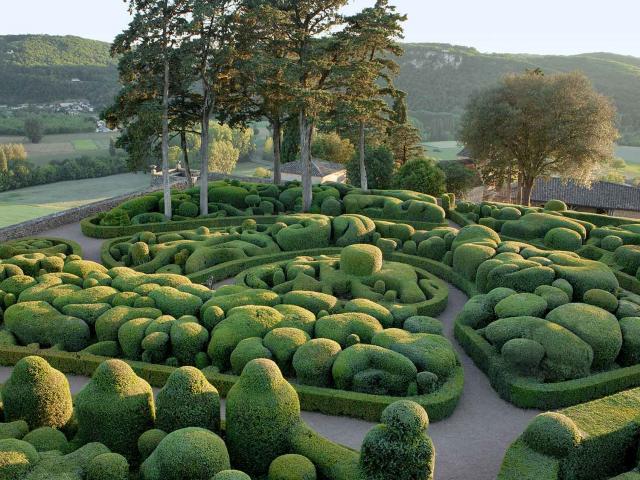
{"x":454,"y":72}
{"x":40,"y":69}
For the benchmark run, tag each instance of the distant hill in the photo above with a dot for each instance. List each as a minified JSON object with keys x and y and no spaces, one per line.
{"x":45,"y":68}
{"x":439,"y":79}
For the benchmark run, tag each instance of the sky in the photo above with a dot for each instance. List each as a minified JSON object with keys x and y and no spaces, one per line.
{"x":507,"y":26}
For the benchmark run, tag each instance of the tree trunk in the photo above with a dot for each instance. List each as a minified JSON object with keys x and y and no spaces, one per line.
{"x":185,"y":154}
{"x":204,"y":151}
{"x":364,"y":184}
{"x":165,"y":140}
{"x":527,"y":187}
{"x":509,"y":180}
{"x":306,"y":131}
{"x":519,"y":191}
{"x":277,"y":139}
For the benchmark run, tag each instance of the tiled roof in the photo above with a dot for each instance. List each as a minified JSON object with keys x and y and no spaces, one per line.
{"x":319,"y":168}
{"x":604,"y":195}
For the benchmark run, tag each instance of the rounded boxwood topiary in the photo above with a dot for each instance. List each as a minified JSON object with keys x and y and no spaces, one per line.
{"x":187,"y":400}
{"x":400,"y":446}
{"x":552,"y":433}
{"x":188,"y":209}
{"x":562,"y":238}
{"x":292,"y":467}
{"x":313,"y":361}
{"x":108,"y":466}
{"x":521,"y":304}
{"x":38,"y":394}
{"x":283,"y":343}
{"x":188,"y":453}
{"x":247,"y":350}
{"x":187,"y":340}
{"x":523,"y":354}
{"x":611,"y":243}
{"x":115,"y":408}
{"x":360,"y":260}
{"x":565,"y":286}
{"x":231,"y":475}
{"x":601,"y":298}
{"x":630,"y":352}
{"x":553,"y":295}
{"x":148,"y":442}
{"x":555,"y":206}
{"x":423,"y":324}
{"x":45,"y":439}
{"x":262,"y":408}
{"x":16,"y":458}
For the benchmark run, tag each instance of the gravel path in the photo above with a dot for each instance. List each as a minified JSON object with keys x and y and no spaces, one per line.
{"x":469,"y":444}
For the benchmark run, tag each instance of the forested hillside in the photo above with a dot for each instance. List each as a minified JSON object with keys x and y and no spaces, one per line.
{"x":43,"y":68}
{"x":439,"y":79}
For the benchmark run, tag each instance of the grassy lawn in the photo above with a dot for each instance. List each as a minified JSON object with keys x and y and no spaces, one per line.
{"x":84,"y":144}
{"x":443,"y":150}
{"x":61,"y":147}
{"x":246,"y":169}
{"x":28,"y":203}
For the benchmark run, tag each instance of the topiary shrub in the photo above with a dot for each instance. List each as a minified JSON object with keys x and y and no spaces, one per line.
{"x":115,"y":408}
{"x":611,"y":243}
{"x":108,"y":466}
{"x":45,"y":439}
{"x":597,"y":327}
{"x":17,"y":429}
{"x":148,"y":442}
{"x":174,"y":302}
{"x":601,"y":298}
{"x":630,"y":351}
{"x":339,"y":326}
{"x":554,"y":296}
{"x":283,"y":343}
{"x":523,"y":355}
{"x":373,"y":369}
{"x":261,"y":410}
{"x":187,"y":340}
{"x":187,"y":400}
{"x":399,"y":447}
{"x":16,"y":458}
{"x":360,"y":260}
{"x":563,"y":239}
{"x":313,"y":362}
{"x":555,"y":206}
{"x":115,"y":218}
{"x":552,"y":433}
{"x":423,"y":324}
{"x":188,"y":453}
{"x":521,"y":304}
{"x":247,"y":350}
{"x":292,"y":467}
{"x":38,"y":394}
{"x":231,"y":475}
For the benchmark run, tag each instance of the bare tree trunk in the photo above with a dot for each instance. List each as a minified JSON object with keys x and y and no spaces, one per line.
{"x":509,"y":180}
{"x":185,"y":154}
{"x":364,"y":184}
{"x":519,"y":191}
{"x":165,"y":139}
{"x":204,"y":151}
{"x":277,"y":139}
{"x":306,"y":131}
{"x":527,"y":188}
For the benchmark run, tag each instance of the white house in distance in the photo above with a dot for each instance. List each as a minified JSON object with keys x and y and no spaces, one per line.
{"x":321,"y":171}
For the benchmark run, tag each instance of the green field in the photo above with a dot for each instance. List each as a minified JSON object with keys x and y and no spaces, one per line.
{"x":27,"y":203}
{"x":443,"y":150}
{"x":62,"y":147}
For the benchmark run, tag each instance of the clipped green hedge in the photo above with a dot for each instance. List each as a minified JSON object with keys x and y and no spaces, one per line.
{"x":590,"y":441}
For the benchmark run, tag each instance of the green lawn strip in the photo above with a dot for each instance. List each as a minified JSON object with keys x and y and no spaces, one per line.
{"x":84,"y":144}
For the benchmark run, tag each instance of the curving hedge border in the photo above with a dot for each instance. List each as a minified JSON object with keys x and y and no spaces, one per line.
{"x":606,"y":446}
{"x":438,"y":405}
{"x":76,"y":248}
{"x":91,"y":229}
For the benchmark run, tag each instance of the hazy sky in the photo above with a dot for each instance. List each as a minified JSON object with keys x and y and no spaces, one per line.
{"x":518,"y":26}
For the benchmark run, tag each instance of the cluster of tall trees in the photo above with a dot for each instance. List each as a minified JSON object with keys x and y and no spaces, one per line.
{"x":299,"y":64}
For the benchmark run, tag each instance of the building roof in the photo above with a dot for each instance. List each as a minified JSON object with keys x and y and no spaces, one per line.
{"x":601,"y":195}
{"x":464,"y":153}
{"x":319,"y":168}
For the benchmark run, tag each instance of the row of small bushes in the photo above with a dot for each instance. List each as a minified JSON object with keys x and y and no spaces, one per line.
{"x":113,"y":425}
{"x":24,"y":174}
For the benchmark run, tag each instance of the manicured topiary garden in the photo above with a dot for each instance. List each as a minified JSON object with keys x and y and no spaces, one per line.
{"x":230,"y":200}
{"x":114,"y":430}
{"x":342,"y":302}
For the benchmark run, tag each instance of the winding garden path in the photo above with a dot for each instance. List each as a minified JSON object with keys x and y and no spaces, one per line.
{"x":469,"y":445}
